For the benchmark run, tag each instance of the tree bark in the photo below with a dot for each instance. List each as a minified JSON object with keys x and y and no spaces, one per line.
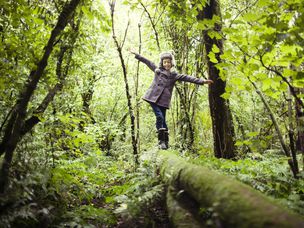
{"x":153,"y":24}
{"x":234,"y":203}
{"x":181,"y":213}
{"x":13,"y":131}
{"x":222,"y":125}
{"x":278,"y":131}
{"x":300,"y":124}
{"x":61,"y":73}
{"x":291,"y":135}
{"x":131,"y":112}
{"x":87,"y":96}
{"x":136,"y":91}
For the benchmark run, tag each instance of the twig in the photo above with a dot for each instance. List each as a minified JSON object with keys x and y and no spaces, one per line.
{"x":152,"y":23}
{"x":240,"y":12}
{"x":125,"y":35}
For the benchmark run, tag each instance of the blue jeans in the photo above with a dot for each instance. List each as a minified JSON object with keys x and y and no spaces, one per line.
{"x":160,"y":114}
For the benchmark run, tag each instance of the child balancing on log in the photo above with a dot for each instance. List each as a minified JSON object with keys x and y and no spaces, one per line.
{"x":160,"y":92}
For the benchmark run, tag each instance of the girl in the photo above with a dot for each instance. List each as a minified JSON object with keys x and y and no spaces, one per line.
{"x":160,"y":92}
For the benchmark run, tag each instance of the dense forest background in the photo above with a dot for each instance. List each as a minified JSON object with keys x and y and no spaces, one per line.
{"x":78,"y":144}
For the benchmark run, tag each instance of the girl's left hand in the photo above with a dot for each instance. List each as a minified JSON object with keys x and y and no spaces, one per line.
{"x":208,"y":81}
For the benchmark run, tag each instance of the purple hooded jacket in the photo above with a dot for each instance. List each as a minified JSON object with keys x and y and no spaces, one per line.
{"x":160,"y":91}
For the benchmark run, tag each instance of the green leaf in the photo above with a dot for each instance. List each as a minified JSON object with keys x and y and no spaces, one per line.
{"x":226,"y":95}
{"x":239,"y":143}
{"x":211,"y":34}
{"x":252,"y":134}
{"x":250,"y":16}
{"x":236,"y":81}
{"x":227,"y":15}
{"x":262,"y":3}
{"x":267,"y":83}
{"x":200,"y":6}
{"x":87,"y":12}
{"x":215,"y":49}
{"x":261,"y":76}
{"x":212,"y":57}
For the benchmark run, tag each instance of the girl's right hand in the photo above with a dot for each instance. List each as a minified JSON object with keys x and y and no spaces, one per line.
{"x":132,"y":51}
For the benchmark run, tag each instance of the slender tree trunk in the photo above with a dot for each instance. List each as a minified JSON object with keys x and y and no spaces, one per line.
{"x":185,"y":124}
{"x":136,"y":91}
{"x":222,"y":125}
{"x":300,"y":125}
{"x":87,"y":96}
{"x":61,"y":73}
{"x":153,"y":24}
{"x":278,"y":131}
{"x":291,"y":135}
{"x":129,"y":98}
{"x":6,"y":118}
{"x":185,"y":107}
{"x":13,"y":131}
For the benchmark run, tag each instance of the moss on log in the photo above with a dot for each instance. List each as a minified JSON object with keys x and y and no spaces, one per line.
{"x":181,"y":213}
{"x":236,"y":204}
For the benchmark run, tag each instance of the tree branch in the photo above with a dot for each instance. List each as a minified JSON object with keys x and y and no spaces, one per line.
{"x":152,"y":23}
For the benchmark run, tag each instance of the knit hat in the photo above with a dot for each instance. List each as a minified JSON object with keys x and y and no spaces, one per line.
{"x":166,"y":55}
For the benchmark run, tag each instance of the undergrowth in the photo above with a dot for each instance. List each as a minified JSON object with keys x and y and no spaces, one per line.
{"x":268,"y":173}
{"x":95,"y":190}
{"x":91,"y":190}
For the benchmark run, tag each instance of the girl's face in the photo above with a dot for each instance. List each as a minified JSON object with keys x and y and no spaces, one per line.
{"x":167,"y":64}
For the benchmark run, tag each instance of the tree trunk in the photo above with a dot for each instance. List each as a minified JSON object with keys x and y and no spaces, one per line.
{"x":128,"y":95}
{"x":13,"y":131}
{"x":222,"y":125}
{"x":137,"y":98}
{"x":300,"y":125}
{"x":87,"y":96}
{"x":153,"y":24}
{"x":186,"y":115}
{"x":291,"y":135}
{"x":278,"y":131}
{"x":233,"y":203}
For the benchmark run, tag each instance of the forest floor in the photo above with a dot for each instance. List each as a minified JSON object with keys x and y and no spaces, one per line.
{"x":151,"y":212}
{"x":106,"y":191}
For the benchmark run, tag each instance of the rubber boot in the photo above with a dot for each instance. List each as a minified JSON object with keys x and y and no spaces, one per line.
{"x":166,"y":138}
{"x":161,"y":139}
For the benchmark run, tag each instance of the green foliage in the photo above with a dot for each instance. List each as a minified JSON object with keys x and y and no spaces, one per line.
{"x":84,"y":186}
{"x":76,"y":169}
{"x":267,"y":172}
{"x":29,"y":200}
{"x":88,"y":216}
{"x":143,"y":194}
{"x":280,"y":49}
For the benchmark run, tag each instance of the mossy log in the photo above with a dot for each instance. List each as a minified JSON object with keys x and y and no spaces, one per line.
{"x":236,"y":204}
{"x":181,"y":214}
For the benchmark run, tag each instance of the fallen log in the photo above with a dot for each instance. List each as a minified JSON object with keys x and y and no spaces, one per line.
{"x":236,"y":204}
{"x":181,"y":214}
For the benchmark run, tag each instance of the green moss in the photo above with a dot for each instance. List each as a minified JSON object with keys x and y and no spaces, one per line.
{"x":181,"y":211}
{"x":236,"y":203}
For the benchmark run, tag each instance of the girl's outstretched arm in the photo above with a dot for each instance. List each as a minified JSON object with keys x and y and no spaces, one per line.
{"x":144,"y":60}
{"x":187,"y":78}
